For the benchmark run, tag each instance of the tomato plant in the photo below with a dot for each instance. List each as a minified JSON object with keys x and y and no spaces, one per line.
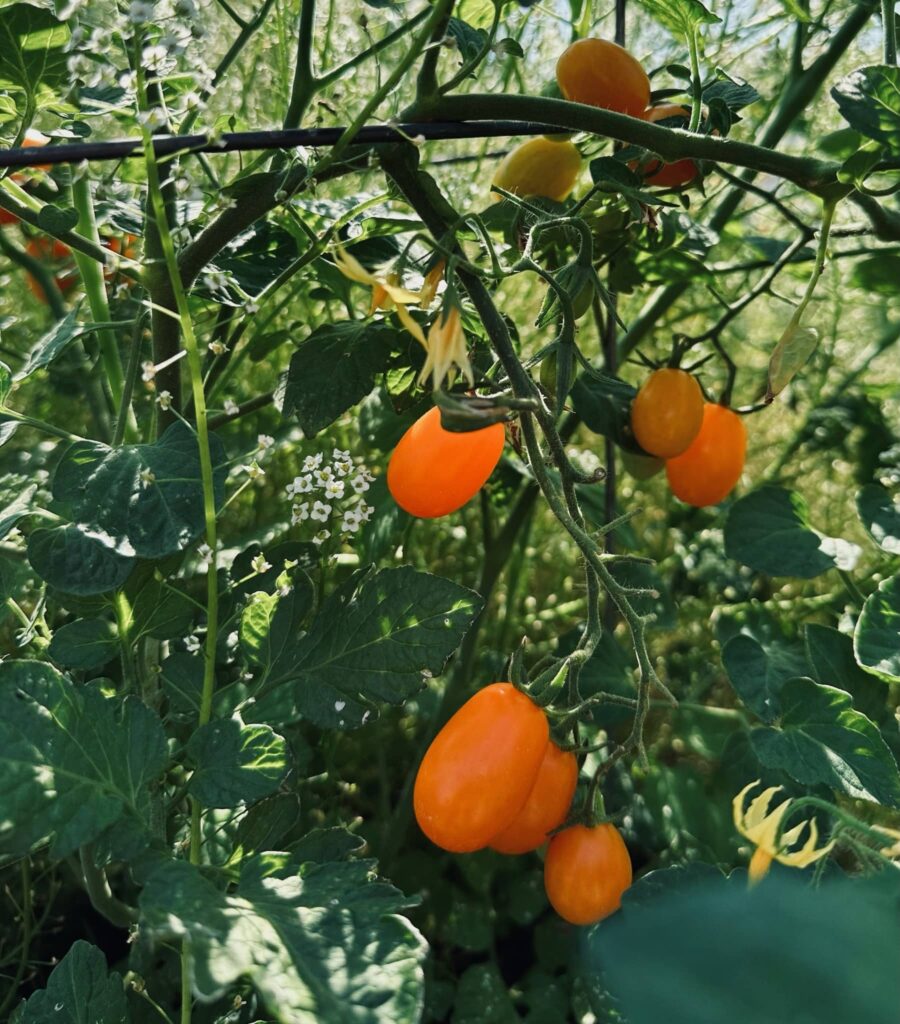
{"x":310,"y":437}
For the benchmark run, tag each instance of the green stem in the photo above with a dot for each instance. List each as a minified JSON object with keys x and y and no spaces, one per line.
{"x":95,"y":286}
{"x":27,"y":932}
{"x":101,"y":896}
{"x":696,"y":82}
{"x":819,"y":265}
{"x":889,"y":27}
{"x":46,"y":428}
{"x":131,"y":372}
{"x":304,"y":85}
{"x":382,"y":44}
{"x":195,"y":367}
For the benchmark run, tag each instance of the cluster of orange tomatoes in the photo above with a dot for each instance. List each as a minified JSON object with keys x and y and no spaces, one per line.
{"x":494,"y":778}
{"x":600,"y":74}
{"x":53,"y":253}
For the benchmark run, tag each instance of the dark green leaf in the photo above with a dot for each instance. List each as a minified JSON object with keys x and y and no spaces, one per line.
{"x":333,"y":369}
{"x":879,"y":274}
{"x":55,"y":221}
{"x":51,"y":345}
{"x":796,"y":942}
{"x":78,"y":561}
{"x":159,"y":609}
{"x":80,"y":990}
{"x":482,"y":997}
{"x":869,"y":99}
{"x":379,"y":637}
{"x":235,"y":763}
{"x":84,"y":644}
{"x":754,"y":676}
{"x":15,"y":496}
{"x":831,"y":657}
{"x":880,"y":516}
{"x":32,"y":48}
{"x":769,"y":531}
{"x":876,"y":641}
{"x":147,"y":496}
{"x":823,"y":740}
{"x":469,"y":40}
{"x":53,"y":784}
{"x":271,"y":623}
{"x":604,"y":405}
{"x":287,"y":930}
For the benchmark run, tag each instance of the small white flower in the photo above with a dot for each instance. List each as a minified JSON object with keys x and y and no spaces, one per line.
{"x":367,"y":512}
{"x":340,"y":456}
{"x":255,"y":471}
{"x":148,"y":371}
{"x":312,"y":462}
{"x":360,"y":484}
{"x":299,"y":513}
{"x":321,"y":536}
{"x":147,"y":476}
{"x":320,"y":511}
{"x":343,"y":467}
{"x":231,"y":407}
{"x":265,"y":442}
{"x":192,"y":644}
{"x":204,"y":553}
{"x":218,"y":348}
{"x":323,"y":476}
{"x":334,"y":489}
{"x":350,"y":522}
{"x":164,"y":399}
{"x":259,"y":564}
{"x":300,"y":485}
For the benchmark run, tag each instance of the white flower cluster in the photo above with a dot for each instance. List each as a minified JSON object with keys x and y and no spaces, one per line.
{"x":335,"y":492}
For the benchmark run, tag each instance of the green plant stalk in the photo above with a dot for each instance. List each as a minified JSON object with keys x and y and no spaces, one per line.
{"x":382,"y":44}
{"x":27,"y":932}
{"x":195,"y":367}
{"x":696,"y":82}
{"x":304,"y":84}
{"x":46,"y":428}
{"x":95,"y":287}
{"x":889,"y":27}
{"x":819,"y":264}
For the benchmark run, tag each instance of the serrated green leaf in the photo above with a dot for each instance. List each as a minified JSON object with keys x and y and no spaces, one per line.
{"x":880,"y":516}
{"x":149,"y":497}
{"x":769,"y":531}
{"x":682,"y":17}
{"x":50,"y":346}
{"x":72,"y":762}
{"x":320,"y":942}
{"x":790,"y":355}
{"x":271,"y":624}
{"x":377,"y":638}
{"x":235,"y":763}
{"x":334,"y":369}
{"x":876,"y":641}
{"x":80,"y":990}
{"x":78,"y":561}
{"x":84,"y":644}
{"x":823,"y":740}
{"x":869,"y":100}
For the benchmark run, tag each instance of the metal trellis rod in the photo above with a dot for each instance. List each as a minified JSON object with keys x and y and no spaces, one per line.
{"x":232,"y":142}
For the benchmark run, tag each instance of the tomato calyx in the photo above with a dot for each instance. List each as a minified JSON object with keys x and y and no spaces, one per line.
{"x":461,"y":414}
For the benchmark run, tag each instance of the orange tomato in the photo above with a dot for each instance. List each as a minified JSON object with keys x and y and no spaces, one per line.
{"x":125,"y":246}
{"x":603,"y":74}
{"x":678,"y":173}
{"x":539,"y":167}
{"x":477,"y":774}
{"x":53,"y":252}
{"x":712,"y":465}
{"x":586,"y":870}
{"x":433,"y":472}
{"x":547,"y":804}
{"x":33,"y":138}
{"x":667,"y":412}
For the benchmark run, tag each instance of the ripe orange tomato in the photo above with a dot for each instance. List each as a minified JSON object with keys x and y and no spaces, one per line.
{"x":678,"y":173}
{"x":33,"y":138}
{"x":54,"y":252}
{"x":433,"y":471}
{"x":125,"y":246}
{"x":547,"y":804}
{"x":477,"y":774}
{"x":603,"y":74}
{"x":712,"y":465}
{"x":586,"y":870}
{"x":539,"y":167}
{"x":667,"y":412}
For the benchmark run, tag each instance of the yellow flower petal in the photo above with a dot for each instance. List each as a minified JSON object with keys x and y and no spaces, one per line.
{"x":446,"y":346}
{"x":760,"y":863}
{"x":351,"y":268}
{"x":414,"y":329}
{"x":430,"y":285}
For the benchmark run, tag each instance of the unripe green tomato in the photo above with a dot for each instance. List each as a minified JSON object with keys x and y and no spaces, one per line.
{"x":581,"y":302}
{"x":548,"y":373}
{"x":641,"y":467}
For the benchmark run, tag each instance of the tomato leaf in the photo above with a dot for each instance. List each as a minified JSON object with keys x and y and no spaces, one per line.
{"x":789,"y":356}
{"x":285,"y":926}
{"x":876,"y":641}
{"x":32,"y":48}
{"x":823,"y":740}
{"x":79,"y":561}
{"x":235,"y":763}
{"x":79,"y":989}
{"x":757,"y":678}
{"x":52,"y":783}
{"x":880,"y":516}
{"x":84,"y":644}
{"x":769,"y":531}
{"x":869,"y":100}
{"x":830,"y":655}
{"x":379,"y":637}
{"x":681,"y":17}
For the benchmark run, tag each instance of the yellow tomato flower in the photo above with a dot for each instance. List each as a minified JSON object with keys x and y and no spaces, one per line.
{"x":430,"y":285}
{"x":386,"y":293}
{"x":446,"y":347}
{"x":761,"y":826}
